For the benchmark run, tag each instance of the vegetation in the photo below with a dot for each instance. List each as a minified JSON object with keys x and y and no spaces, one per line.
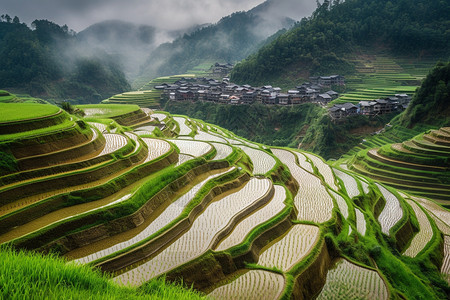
{"x":430,"y":104}
{"x":231,"y":39}
{"x":46,"y":60}
{"x":24,"y":111}
{"x":231,"y":203}
{"x":35,"y":276}
{"x":273,"y":125}
{"x":322,"y":44}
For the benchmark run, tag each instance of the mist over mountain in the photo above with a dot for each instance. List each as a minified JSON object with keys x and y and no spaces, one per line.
{"x":128,"y":42}
{"x":47,"y":60}
{"x":165,"y":14}
{"x":231,"y":39}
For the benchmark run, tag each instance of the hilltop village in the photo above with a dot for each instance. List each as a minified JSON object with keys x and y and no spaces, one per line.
{"x":317,"y":90}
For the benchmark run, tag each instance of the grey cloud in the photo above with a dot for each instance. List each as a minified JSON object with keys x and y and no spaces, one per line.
{"x":165,"y":14}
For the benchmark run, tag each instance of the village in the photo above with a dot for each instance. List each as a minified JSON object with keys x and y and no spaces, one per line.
{"x":317,"y":90}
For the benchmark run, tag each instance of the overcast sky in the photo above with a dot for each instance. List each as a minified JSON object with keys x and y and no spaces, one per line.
{"x":167,"y":14}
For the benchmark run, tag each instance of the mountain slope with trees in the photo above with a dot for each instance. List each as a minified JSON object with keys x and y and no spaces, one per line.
{"x":47,"y":60}
{"x":322,"y":43}
{"x":233,"y":38}
{"x":431,"y":103}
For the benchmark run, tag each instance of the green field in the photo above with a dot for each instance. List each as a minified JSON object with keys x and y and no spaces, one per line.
{"x":107,"y":110}
{"x":24,"y":111}
{"x":380,"y":75}
{"x":419,"y":166}
{"x":183,"y":199}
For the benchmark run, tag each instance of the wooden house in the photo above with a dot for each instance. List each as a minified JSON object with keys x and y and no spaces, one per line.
{"x":283,"y":99}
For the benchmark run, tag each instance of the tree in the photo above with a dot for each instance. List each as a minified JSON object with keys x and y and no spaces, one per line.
{"x":6,"y":18}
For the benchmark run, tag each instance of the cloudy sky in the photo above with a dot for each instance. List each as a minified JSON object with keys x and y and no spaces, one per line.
{"x":167,"y":14}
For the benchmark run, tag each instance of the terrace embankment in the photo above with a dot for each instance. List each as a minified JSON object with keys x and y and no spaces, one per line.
{"x":310,"y":281}
{"x":62,"y":238}
{"x":405,"y":233}
{"x":421,"y":165}
{"x":75,"y":153}
{"x":134,"y":118}
{"x":50,"y":140}
{"x":150,"y":249}
{"x":97,"y":191}
{"x":92,"y":158}
{"x":33,"y":124}
{"x":71,"y":179}
{"x":220,"y":265}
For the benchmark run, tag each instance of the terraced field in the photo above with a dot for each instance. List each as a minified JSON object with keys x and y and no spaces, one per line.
{"x":446,"y":264}
{"x":255,"y":284}
{"x":392,"y":211}
{"x":196,"y":241}
{"x":184,"y":129}
{"x":349,"y":281}
{"x":385,"y":76}
{"x":149,"y":98}
{"x":313,"y":201}
{"x":302,"y":238}
{"x":419,"y":166}
{"x":423,"y":237}
{"x":141,"y":194}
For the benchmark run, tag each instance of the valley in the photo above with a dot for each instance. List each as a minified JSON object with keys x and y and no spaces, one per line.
{"x":193,"y":150}
{"x":173,"y":195}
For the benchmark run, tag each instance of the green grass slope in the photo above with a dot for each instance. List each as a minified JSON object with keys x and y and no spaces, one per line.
{"x":420,"y":166}
{"x":26,"y":275}
{"x":190,"y":201}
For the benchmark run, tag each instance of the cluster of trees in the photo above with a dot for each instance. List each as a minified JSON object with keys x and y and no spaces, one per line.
{"x":47,"y":60}
{"x":268,"y":124}
{"x":431,"y":103}
{"x":322,"y":42}
{"x":232,"y":39}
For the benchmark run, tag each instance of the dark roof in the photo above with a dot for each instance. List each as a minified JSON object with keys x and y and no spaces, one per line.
{"x":334,"y":109}
{"x":381,"y":101}
{"x":346,"y":106}
{"x":332,"y":93}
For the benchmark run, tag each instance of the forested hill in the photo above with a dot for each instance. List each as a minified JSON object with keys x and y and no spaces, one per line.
{"x":322,"y":43}
{"x":231,"y":39}
{"x":47,"y":60}
{"x":431,"y":103}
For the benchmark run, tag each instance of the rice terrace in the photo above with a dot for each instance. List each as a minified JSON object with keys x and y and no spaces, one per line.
{"x":140,"y":194}
{"x":225,"y":149}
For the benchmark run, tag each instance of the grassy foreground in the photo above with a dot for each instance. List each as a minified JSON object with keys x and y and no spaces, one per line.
{"x":34,"y":276}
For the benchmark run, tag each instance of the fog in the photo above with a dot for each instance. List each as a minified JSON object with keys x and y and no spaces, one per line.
{"x":164,"y":14}
{"x":141,"y":25}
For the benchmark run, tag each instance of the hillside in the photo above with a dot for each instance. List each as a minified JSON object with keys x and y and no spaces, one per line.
{"x":326,"y":42}
{"x":34,"y":276}
{"x":48,"y":61}
{"x":428,"y":110}
{"x":430,"y":104}
{"x":142,"y":194}
{"x":271,"y":125}
{"x":231,"y":39}
{"x":128,"y":42}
